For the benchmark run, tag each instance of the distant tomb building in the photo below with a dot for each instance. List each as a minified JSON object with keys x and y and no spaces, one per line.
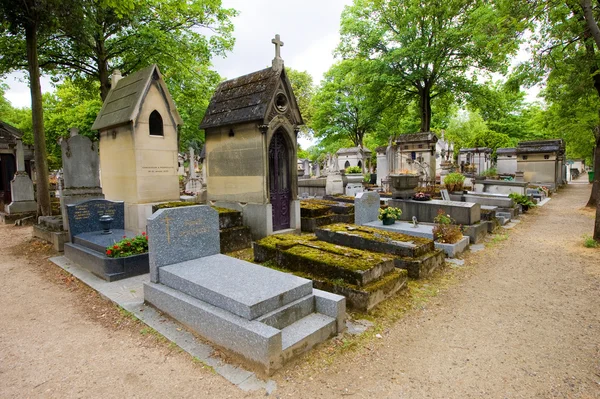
{"x":475,"y":160}
{"x":251,"y":126}
{"x":138,"y":144}
{"x":507,"y":161}
{"x":354,"y":156}
{"x":416,"y":154}
{"x":542,"y":162}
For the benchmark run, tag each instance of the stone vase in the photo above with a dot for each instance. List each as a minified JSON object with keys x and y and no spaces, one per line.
{"x":403,"y":186}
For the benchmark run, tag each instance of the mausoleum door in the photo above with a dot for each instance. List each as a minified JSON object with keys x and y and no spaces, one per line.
{"x":279,"y":182}
{"x":7,"y":171}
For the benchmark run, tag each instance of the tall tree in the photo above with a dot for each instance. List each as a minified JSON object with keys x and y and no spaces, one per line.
{"x":30,"y":20}
{"x":346,"y":105}
{"x":304,"y":90}
{"x":132,"y":34}
{"x":428,"y":49}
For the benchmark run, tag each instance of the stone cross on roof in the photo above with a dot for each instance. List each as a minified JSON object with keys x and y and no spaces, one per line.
{"x":277,"y":61}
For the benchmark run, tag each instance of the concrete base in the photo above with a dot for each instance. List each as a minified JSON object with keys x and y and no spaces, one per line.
{"x":17,"y":207}
{"x":11,"y":218}
{"x":265,"y":316}
{"x":56,"y":238}
{"x":464,"y":213}
{"x":476,"y":232}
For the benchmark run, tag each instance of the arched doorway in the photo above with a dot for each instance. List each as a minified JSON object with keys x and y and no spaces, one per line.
{"x":279,"y":181}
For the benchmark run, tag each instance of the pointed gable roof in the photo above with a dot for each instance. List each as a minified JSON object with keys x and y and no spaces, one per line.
{"x":248,"y":98}
{"x":9,"y":133}
{"x":125,"y":99}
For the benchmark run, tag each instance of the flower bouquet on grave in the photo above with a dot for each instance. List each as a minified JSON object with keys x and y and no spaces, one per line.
{"x":128,"y":247}
{"x":421,"y":196}
{"x":389,"y":215}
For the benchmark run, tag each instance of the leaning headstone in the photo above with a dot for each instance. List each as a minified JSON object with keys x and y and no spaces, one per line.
{"x":366,"y":207}
{"x":23,"y":197}
{"x":81,"y":172}
{"x":180,"y":234}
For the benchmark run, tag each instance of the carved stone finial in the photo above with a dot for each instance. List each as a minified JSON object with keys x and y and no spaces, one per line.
{"x":277,"y":61}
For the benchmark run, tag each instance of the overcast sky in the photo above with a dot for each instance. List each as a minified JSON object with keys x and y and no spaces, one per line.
{"x":308,"y":28}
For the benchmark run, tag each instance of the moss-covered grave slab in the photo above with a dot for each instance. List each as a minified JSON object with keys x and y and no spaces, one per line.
{"x":364,"y":277}
{"x":315,"y":213}
{"x":376,"y":240}
{"x":415,"y":254}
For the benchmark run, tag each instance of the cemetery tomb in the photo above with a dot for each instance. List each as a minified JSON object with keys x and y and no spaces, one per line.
{"x":262,"y":315}
{"x":91,"y":236}
{"x":367,"y":207}
{"x":251,"y":127}
{"x":315,"y":213}
{"x":417,"y":255}
{"x":138,"y":144}
{"x":365,"y":278}
{"x":475,"y":161}
{"x":415,"y":153}
{"x":506,"y":164}
{"x":542,"y":162}
{"x":354,"y":156}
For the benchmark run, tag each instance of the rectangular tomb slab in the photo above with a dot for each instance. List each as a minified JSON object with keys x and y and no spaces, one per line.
{"x":242,"y":288}
{"x":375,"y":240}
{"x":464,"y":213}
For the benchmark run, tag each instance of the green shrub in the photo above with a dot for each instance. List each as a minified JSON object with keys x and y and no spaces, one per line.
{"x":445,"y":230}
{"x":490,"y":172}
{"x":454,"y":181}
{"x":367,"y":178}
{"x":589,"y":242}
{"x":522,"y":199}
{"x":353,"y":169}
{"x":128,"y":247}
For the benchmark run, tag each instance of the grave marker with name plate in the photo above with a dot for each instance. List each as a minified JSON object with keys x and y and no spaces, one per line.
{"x":366,"y":207}
{"x":180,"y":234}
{"x":85,"y":216}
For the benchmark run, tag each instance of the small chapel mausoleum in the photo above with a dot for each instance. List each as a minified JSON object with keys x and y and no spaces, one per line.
{"x":251,"y":126}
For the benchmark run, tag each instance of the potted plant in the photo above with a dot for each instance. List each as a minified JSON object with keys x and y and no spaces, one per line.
{"x":353,"y":174}
{"x":522,"y":200}
{"x":445,"y":230}
{"x":454,"y":182}
{"x":389,"y":215}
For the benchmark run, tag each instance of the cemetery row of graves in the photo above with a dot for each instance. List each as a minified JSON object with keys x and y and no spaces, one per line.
{"x":323,"y":240}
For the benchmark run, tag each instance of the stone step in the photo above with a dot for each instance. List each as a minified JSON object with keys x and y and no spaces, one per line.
{"x":290,"y":313}
{"x":305,"y":333}
{"x":242,"y":288}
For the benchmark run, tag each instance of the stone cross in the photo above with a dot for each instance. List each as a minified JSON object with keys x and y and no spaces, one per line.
{"x":278,"y":44}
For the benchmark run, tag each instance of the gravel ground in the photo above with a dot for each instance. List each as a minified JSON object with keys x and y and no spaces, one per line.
{"x":522,"y":320}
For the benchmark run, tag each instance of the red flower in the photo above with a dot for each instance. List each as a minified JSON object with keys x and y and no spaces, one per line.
{"x":146,"y":237}
{"x":108,"y":252}
{"x":143,"y":233}
{"x":129,"y":244}
{"x":124,"y":236}
{"x":115,"y":246}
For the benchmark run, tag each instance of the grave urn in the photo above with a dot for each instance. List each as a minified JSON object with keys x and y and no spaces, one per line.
{"x":403,"y":185}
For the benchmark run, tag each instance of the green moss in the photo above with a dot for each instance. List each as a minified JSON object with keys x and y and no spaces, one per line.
{"x":284,"y":240}
{"x":173,"y":204}
{"x":347,"y":261}
{"x":224,"y":210}
{"x":370,"y":233}
{"x":386,"y":281}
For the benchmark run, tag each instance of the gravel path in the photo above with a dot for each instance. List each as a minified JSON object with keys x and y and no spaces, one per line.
{"x":522,"y":320}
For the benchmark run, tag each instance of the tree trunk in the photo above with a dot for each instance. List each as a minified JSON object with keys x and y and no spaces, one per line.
{"x":425,"y":108}
{"x":104,"y":81}
{"x":37,"y":114}
{"x":593,"y":201}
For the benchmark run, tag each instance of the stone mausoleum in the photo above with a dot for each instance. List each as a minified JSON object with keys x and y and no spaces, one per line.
{"x":251,"y":126}
{"x":415,"y":153}
{"x":138,"y":144}
{"x":542,"y":162}
{"x":354,"y":156}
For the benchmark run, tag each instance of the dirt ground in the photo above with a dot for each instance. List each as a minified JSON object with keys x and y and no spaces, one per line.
{"x":520,"y":320}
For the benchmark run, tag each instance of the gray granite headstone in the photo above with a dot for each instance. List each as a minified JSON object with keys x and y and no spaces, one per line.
{"x":85,"y":216}
{"x":180,"y":234}
{"x":81,"y":164}
{"x":366,"y":207}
